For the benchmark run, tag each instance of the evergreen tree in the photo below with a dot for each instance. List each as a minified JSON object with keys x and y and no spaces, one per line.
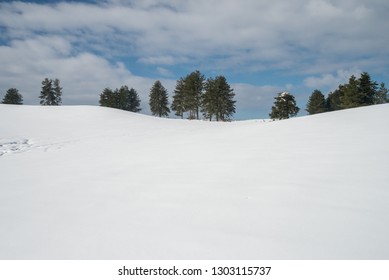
{"x":357,"y":93}
{"x":46,"y":91}
{"x":382,"y":95}
{"x":210,"y":99}
{"x":159,"y":100}
{"x":193,"y":92}
{"x":51,"y":92}
{"x":334,"y":98}
{"x":284,"y":107}
{"x":134,"y":101}
{"x":107,"y":98}
{"x":123,"y":99}
{"x":226,"y":103}
{"x":316,"y":103}
{"x":367,"y":89}
{"x":218,"y":99}
{"x":57,"y":92}
{"x":13,"y":97}
{"x":352,"y":96}
{"x":127,"y":99}
{"x":178,"y":104}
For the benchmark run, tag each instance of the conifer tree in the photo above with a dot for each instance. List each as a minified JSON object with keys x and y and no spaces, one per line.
{"x":382,"y":95}
{"x":127,"y":99}
{"x":209,"y":106}
{"x":123,"y":99}
{"x":218,"y":99}
{"x":159,"y":100}
{"x":13,"y":97}
{"x":284,"y":107}
{"x":51,"y":93}
{"x":57,"y":92}
{"x":47,"y":88}
{"x":367,"y":89}
{"x":352,"y":97}
{"x":134,"y":101}
{"x":193,"y":92}
{"x":334,"y":98}
{"x":316,"y":103}
{"x":178,"y":104}
{"x":357,"y":93}
{"x":107,"y":98}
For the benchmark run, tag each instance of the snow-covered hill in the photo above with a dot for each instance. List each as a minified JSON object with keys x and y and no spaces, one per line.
{"x":96,"y":183}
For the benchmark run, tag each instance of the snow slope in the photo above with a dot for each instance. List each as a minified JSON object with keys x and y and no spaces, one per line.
{"x":96,"y":183}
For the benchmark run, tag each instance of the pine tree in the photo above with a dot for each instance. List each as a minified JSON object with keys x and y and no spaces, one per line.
{"x":382,"y":95}
{"x":133,"y":101}
{"x":178,"y":104}
{"x":51,"y":92}
{"x":210,"y":99}
{"x":13,"y":97}
{"x":357,"y":93}
{"x":107,"y":98}
{"x":284,"y":107}
{"x":334,"y":98}
{"x":159,"y":100}
{"x":316,"y":103}
{"x":352,"y":96}
{"x":46,"y":91}
{"x":193,"y":88}
{"x":367,"y":89}
{"x":57,"y":93}
{"x":127,"y":99}
{"x":123,"y":99}
{"x":218,"y":99}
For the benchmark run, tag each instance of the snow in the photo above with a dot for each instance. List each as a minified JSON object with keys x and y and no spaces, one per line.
{"x":84,"y":182}
{"x":283,"y":94}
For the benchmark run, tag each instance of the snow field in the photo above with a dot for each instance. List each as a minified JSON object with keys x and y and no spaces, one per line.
{"x":83,"y":182}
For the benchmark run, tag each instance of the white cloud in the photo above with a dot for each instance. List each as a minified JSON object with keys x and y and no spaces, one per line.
{"x":280,"y":34}
{"x":255,"y":100}
{"x":162,"y":60}
{"x":164,"y":72}
{"x":83,"y":76}
{"x":329,"y":80}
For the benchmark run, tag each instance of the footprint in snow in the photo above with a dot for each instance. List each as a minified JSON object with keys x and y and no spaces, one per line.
{"x":8,"y":146}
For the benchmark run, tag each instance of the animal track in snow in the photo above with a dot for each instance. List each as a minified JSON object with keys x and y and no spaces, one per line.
{"x":14,"y":145}
{"x":18,"y":145}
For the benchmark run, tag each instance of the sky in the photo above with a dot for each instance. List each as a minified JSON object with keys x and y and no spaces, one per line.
{"x":261,"y":47}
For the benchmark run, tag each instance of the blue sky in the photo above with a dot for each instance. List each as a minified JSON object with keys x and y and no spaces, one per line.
{"x":261,"y":47}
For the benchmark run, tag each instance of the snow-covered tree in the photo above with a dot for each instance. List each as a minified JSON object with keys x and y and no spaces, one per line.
{"x":284,"y":107}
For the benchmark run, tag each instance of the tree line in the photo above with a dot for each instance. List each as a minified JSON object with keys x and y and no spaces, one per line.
{"x":193,"y":95}
{"x":213,"y":98}
{"x":51,"y":94}
{"x":356,"y":93}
